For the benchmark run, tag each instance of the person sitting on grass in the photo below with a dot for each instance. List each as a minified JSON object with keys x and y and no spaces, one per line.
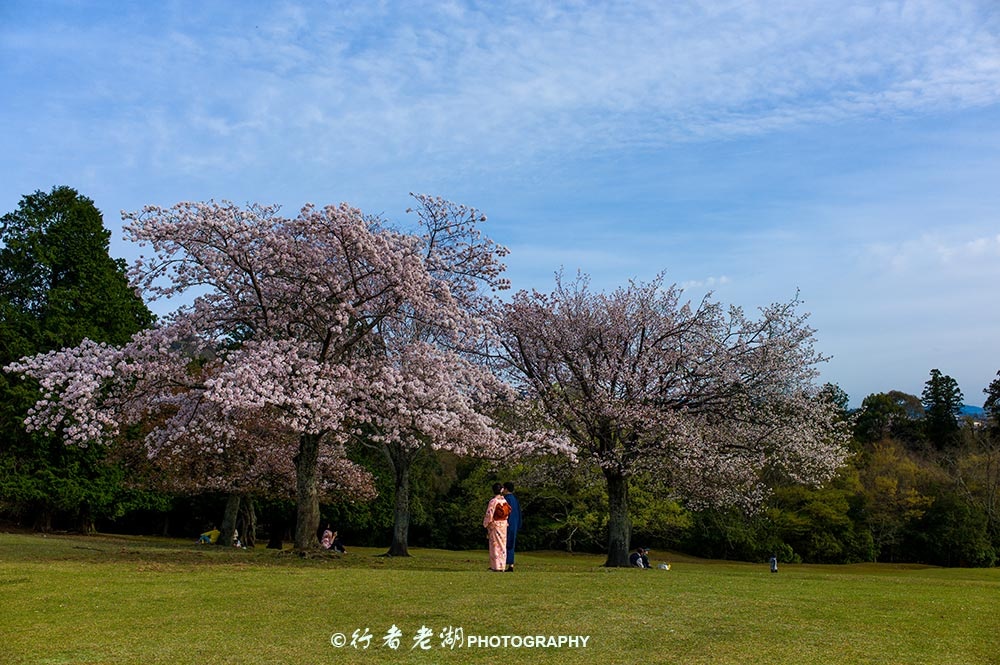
{"x":332,"y":541}
{"x":209,"y":537}
{"x":639,"y":558}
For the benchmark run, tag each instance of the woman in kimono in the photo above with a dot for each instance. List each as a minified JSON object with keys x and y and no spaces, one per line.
{"x":326,"y":542}
{"x":495,"y":523}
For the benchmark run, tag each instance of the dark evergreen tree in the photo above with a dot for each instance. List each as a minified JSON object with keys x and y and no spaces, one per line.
{"x":942,"y":403}
{"x":58,"y":285}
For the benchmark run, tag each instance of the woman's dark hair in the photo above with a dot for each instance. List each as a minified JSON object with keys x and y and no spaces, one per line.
{"x":497,"y":487}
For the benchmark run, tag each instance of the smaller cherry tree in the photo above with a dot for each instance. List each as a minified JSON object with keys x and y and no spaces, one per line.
{"x":707,"y":399}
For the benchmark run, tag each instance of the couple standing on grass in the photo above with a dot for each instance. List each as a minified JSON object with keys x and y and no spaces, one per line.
{"x":502,"y":522}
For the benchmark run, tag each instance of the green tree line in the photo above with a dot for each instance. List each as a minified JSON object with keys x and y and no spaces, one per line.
{"x":904,"y":496}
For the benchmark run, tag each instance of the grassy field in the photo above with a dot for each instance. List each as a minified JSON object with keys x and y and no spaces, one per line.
{"x":115,"y":599}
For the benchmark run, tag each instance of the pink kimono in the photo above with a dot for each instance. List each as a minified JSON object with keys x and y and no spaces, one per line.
{"x":496,"y":535}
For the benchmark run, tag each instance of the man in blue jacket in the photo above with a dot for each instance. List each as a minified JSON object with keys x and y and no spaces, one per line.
{"x":513,"y":523}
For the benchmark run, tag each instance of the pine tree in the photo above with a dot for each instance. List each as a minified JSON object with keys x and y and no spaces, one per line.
{"x":942,"y":403}
{"x":58,"y":285}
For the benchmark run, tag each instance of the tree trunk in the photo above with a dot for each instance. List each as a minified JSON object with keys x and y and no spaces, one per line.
{"x":85,"y":521}
{"x":619,"y":526}
{"x":306,"y":493}
{"x":401,"y":516}
{"x":569,"y":540}
{"x":248,"y":521}
{"x":229,"y":521}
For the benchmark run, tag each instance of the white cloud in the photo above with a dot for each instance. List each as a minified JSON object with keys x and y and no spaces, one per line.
{"x":707,"y":283}
{"x":937,"y":255}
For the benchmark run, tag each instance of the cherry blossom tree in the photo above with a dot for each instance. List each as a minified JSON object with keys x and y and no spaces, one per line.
{"x":425,"y":389}
{"x":411,"y":411}
{"x":710,"y":400}
{"x":287,"y":322}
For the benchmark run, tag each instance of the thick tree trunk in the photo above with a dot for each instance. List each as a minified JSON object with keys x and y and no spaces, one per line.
{"x":248,"y":521}
{"x":619,"y":526}
{"x":306,"y":493}
{"x":401,"y":521}
{"x":229,"y":521}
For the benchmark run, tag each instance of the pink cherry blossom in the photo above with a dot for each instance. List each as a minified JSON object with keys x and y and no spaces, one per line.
{"x":299,"y":334}
{"x":705,"y":397}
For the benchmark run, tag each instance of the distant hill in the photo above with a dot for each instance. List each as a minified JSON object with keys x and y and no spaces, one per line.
{"x":972,"y":411}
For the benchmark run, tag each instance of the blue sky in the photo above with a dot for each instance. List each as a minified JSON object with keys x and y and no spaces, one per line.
{"x":847,"y":151}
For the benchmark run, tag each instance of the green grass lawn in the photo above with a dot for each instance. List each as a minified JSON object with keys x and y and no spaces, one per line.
{"x":116,"y":599}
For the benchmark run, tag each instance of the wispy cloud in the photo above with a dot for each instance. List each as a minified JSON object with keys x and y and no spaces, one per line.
{"x":937,"y":255}
{"x":458,"y":82}
{"x":708,"y":283}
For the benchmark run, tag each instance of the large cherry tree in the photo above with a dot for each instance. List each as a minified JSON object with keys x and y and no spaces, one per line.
{"x":284,"y":321}
{"x":711,"y":400}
